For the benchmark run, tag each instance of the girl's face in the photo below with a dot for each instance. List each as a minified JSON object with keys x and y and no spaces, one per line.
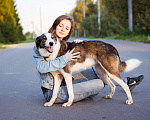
{"x":63,"y":28}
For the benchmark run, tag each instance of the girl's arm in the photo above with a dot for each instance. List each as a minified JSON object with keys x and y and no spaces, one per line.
{"x":48,"y":66}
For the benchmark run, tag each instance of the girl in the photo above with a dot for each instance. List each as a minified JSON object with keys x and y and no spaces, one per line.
{"x":63,"y":28}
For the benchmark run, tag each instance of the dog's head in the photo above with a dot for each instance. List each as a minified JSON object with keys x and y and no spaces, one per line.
{"x":45,"y":44}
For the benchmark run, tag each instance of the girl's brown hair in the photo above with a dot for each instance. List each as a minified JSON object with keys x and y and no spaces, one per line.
{"x":57,"y":21}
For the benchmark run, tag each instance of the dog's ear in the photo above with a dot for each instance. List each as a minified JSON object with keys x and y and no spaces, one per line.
{"x":37,"y":41}
{"x":40,"y":40}
{"x":54,"y":36}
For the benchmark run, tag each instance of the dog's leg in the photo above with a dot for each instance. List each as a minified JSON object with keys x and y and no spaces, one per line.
{"x":124,"y":86}
{"x":68,"y":80}
{"x":112,"y":88}
{"x":111,"y":68}
{"x":104,"y":77}
{"x":58,"y":80}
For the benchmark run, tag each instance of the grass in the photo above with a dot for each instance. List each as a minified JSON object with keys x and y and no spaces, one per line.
{"x":28,"y":41}
{"x":134,"y":37}
{"x":4,"y":46}
{"x":137,"y":38}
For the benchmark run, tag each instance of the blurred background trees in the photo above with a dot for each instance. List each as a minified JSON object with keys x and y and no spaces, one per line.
{"x":10,"y":28}
{"x":114,"y":20}
{"x":141,"y":11}
{"x":114,"y":17}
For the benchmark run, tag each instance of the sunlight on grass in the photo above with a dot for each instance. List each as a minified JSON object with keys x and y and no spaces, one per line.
{"x":28,"y":41}
{"x":4,"y":46}
{"x":137,"y":38}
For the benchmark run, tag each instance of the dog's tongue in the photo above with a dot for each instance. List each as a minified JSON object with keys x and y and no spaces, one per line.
{"x":50,"y":49}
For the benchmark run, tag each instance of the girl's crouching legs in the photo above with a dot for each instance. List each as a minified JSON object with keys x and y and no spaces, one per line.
{"x":86,"y":89}
{"x":81,"y":91}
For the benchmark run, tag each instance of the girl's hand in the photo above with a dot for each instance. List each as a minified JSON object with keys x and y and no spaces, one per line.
{"x":72,"y":56}
{"x":78,"y":41}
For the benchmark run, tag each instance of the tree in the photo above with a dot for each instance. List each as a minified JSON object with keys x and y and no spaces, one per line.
{"x":90,"y":23}
{"x":141,"y":12}
{"x":77,"y":14}
{"x":10,"y":27}
{"x":114,"y":17}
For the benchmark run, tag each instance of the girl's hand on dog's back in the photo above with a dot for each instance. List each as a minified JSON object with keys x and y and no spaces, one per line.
{"x":72,"y":56}
{"x":78,"y":41}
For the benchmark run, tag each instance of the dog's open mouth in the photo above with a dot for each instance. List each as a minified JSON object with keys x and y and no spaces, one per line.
{"x":49,"y":49}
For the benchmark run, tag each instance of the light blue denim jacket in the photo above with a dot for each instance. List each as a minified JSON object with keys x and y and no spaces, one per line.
{"x":45,"y":67}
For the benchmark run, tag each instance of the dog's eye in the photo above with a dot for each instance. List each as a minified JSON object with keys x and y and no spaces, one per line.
{"x":52,"y":37}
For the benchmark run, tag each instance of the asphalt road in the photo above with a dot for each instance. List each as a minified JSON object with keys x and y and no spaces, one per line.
{"x":21,"y":97}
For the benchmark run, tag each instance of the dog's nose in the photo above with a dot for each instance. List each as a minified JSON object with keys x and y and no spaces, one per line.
{"x":51,"y":43}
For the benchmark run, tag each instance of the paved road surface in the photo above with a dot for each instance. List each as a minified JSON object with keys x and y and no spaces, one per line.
{"x":21,"y":97}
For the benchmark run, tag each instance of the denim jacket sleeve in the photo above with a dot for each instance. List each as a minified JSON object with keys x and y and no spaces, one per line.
{"x":48,"y":66}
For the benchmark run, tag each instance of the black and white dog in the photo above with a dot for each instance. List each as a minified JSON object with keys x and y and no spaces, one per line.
{"x":104,"y":56}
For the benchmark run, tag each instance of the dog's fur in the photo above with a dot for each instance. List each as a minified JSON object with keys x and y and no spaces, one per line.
{"x":104,"y":56}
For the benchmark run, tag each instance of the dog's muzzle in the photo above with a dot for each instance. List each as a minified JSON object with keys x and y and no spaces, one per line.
{"x":50,"y":48}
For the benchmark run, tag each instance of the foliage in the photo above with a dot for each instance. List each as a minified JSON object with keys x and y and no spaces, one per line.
{"x":91,"y":24}
{"x":29,"y":35}
{"x":141,"y":11}
{"x":28,"y":41}
{"x":10,"y":28}
{"x":77,"y":14}
{"x":114,"y":18}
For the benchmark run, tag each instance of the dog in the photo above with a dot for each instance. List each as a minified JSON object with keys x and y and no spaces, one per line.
{"x":104,"y":56}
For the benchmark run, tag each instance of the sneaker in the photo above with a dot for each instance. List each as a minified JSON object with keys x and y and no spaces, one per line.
{"x":133,"y":82}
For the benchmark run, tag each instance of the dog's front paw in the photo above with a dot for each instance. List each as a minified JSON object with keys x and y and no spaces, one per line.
{"x":48,"y":104}
{"x":129,"y":102}
{"x":107,"y":97}
{"x":66,"y":104}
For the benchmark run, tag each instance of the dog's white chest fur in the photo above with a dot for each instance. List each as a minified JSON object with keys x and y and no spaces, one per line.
{"x":89,"y":62}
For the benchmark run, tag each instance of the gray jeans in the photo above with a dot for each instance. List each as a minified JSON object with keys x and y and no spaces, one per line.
{"x":85,"y":84}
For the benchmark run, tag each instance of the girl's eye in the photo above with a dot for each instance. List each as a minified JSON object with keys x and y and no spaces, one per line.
{"x":60,"y":25}
{"x":67,"y":29}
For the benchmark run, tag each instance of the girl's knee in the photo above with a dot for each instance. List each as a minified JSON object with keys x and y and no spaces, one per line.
{"x":97,"y":83}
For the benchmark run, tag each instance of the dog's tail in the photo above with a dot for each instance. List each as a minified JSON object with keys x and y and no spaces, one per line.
{"x":129,"y":65}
